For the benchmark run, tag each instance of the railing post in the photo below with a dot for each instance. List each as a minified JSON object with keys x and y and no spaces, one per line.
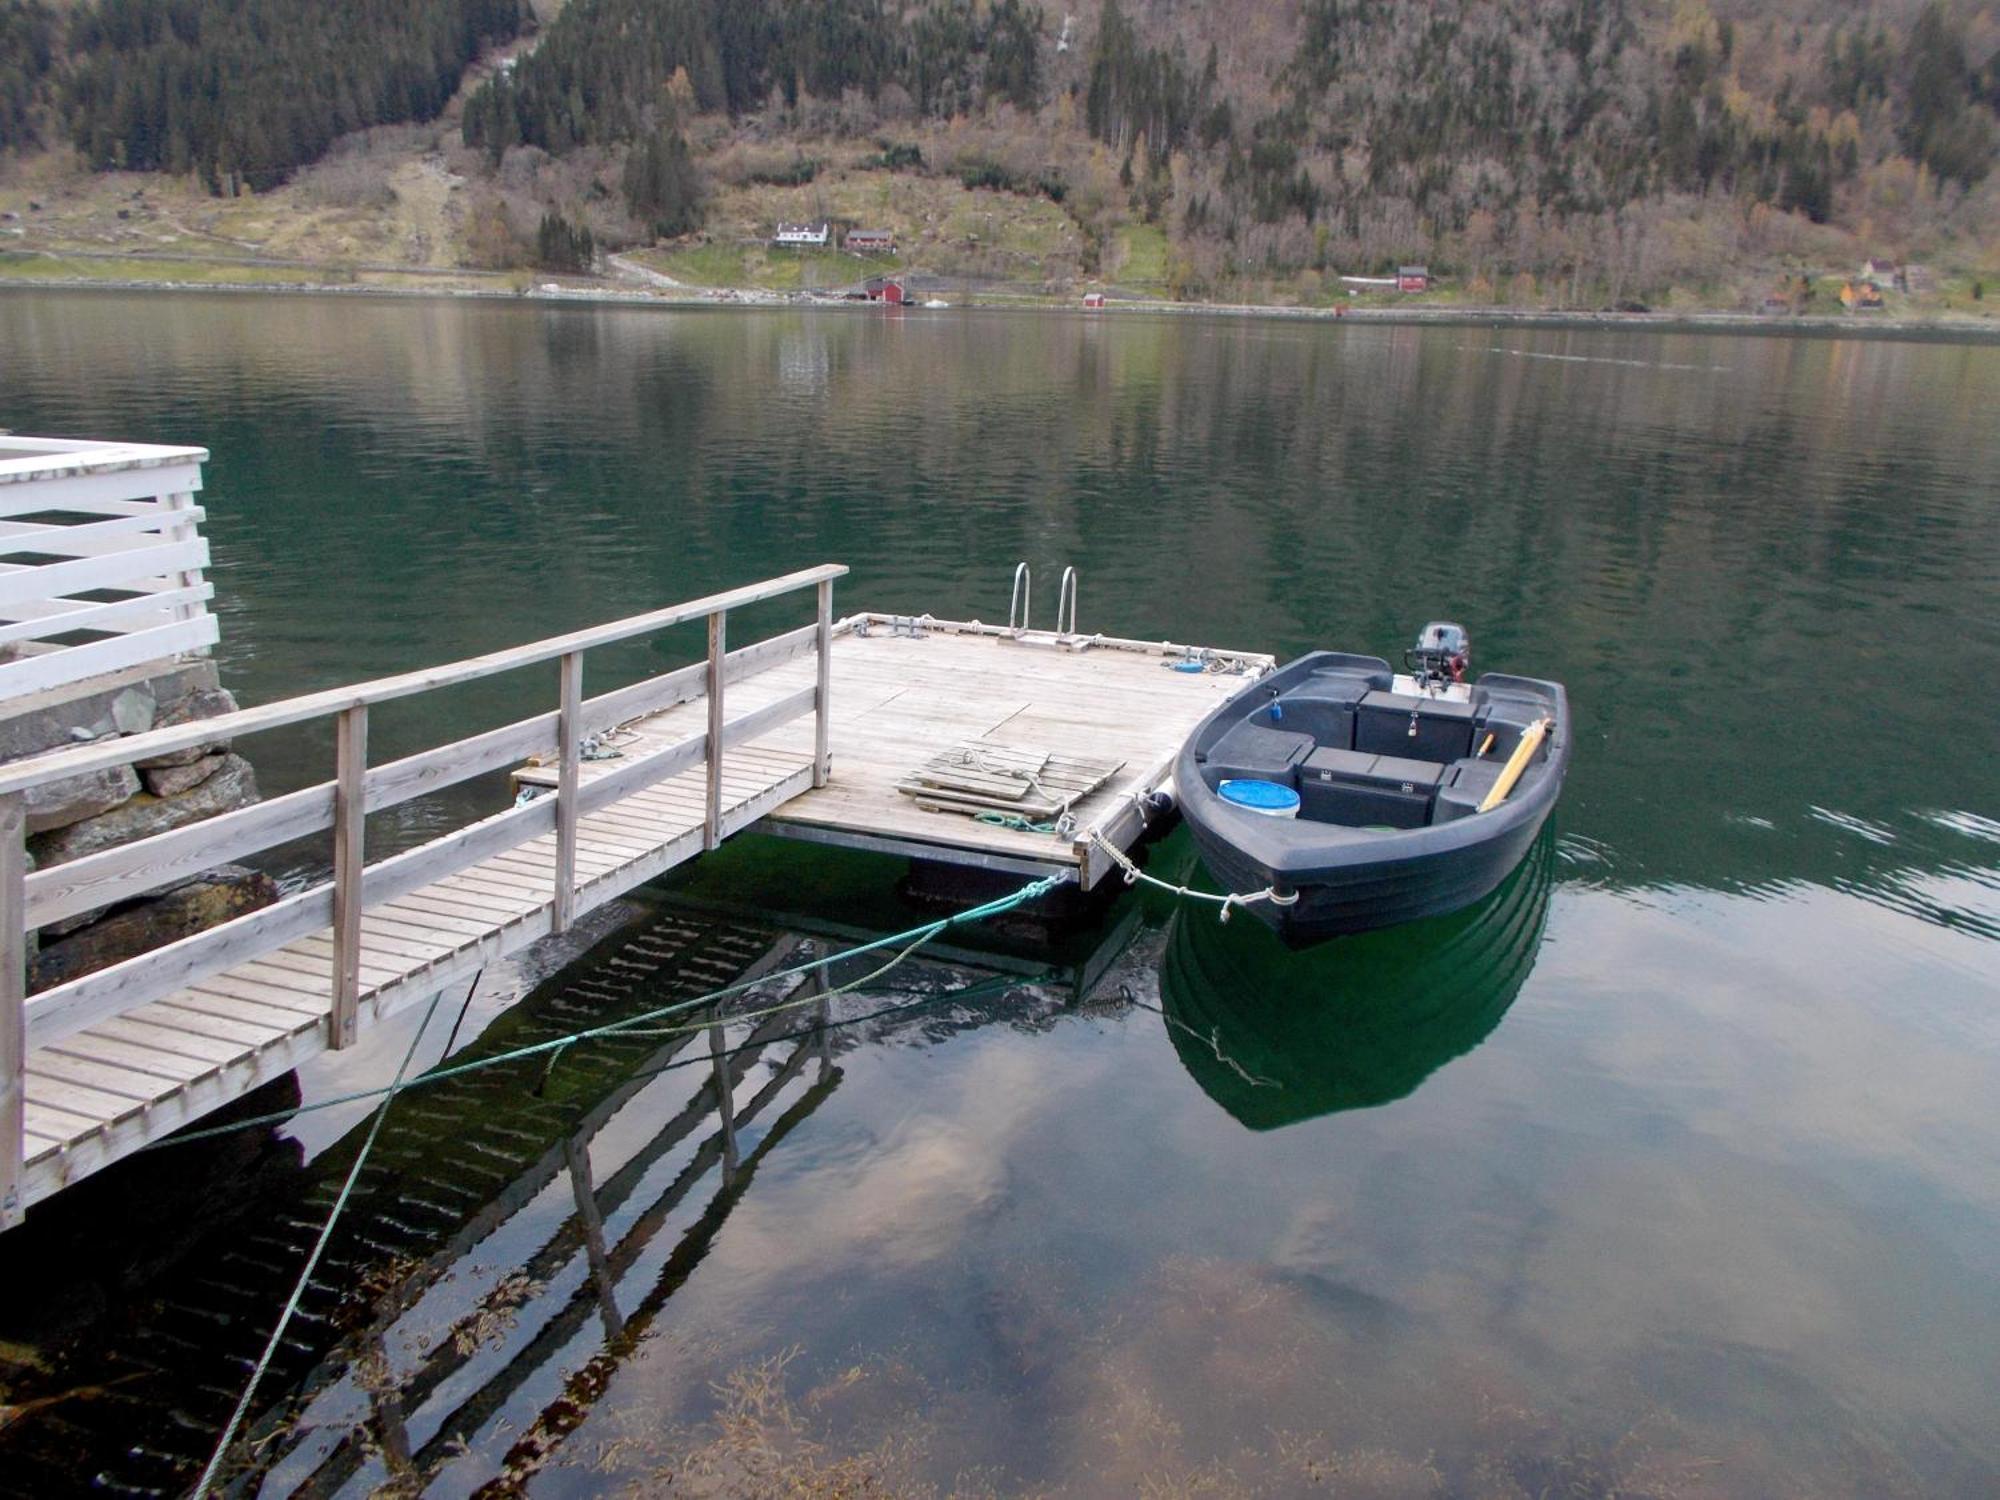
{"x":13,"y":997}
{"x":569,"y":725}
{"x":718,"y":647}
{"x":823,"y":701}
{"x":350,"y":807}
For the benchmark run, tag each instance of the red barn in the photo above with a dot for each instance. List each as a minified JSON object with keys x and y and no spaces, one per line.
{"x":1413,"y":278}
{"x":887,"y":289}
{"x":1093,"y":299}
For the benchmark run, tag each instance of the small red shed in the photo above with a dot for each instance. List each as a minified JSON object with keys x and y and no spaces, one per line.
{"x":886,"y":289}
{"x":1093,"y":299}
{"x":1413,"y":278}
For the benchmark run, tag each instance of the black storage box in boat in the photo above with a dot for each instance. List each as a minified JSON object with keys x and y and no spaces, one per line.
{"x":1465,"y":786}
{"x":1256,"y":752}
{"x":1358,"y":790}
{"x":1384,"y":720}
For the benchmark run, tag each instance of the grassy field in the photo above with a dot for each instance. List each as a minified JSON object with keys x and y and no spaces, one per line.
{"x":1140,"y":259}
{"x":761,"y":266}
{"x":54,"y":265}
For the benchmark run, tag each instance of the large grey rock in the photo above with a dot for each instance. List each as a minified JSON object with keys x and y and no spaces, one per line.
{"x":173,"y":781}
{"x":38,"y":722}
{"x":61,"y":803}
{"x":232,"y":785}
{"x":202,"y":703}
{"x":225,"y":892}
{"x":132,"y":711}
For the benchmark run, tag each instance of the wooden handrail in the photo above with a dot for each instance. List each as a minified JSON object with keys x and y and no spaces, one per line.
{"x":101,"y":754}
{"x":128,"y":870}
{"x":357,"y":789}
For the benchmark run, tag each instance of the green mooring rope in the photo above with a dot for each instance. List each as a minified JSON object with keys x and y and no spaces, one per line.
{"x":312,"y":1261}
{"x":911,"y":940}
{"x":908,"y":941}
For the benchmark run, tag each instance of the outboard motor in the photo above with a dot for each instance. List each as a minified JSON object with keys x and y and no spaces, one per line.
{"x":1442,"y":654}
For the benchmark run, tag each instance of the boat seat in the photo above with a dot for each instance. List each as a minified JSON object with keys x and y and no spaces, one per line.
{"x":1465,"y":785}
{"x":1253,"y":751}
{"x":1322,"y":706}
{"x":1506,"y":719}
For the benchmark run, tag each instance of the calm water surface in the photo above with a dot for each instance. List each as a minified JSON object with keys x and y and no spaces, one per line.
{"x":1674,"y":1169}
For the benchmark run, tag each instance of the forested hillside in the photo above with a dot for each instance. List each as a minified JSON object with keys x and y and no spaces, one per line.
{"x":1624,"y":145}
{"x":235,"y":90}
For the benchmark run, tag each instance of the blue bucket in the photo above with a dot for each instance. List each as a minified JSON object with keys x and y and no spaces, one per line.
{"x":1265,"y":797}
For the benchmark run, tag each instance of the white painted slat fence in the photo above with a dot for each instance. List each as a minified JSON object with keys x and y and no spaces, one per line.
{"x":101,"y":539}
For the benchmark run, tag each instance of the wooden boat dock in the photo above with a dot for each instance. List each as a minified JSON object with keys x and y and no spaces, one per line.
{"x":813,"y":734}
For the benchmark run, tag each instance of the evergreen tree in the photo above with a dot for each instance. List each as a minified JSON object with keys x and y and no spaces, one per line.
{"x":661,"y":184}
{"x":563,"y":246}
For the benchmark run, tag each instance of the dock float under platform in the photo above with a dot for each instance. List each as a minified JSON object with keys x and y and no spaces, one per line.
{"x":819,"y":731}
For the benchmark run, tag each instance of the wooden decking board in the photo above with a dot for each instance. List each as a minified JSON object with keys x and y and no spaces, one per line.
{"x":111,"y":1078}
{"x":116,"y":1052}
{"x":196,"y":1046}
{"x":256,"y":1021}
{"x":104,"y":1090}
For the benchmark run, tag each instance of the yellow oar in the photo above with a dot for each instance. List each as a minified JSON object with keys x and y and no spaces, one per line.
{"x":1531,"y":739}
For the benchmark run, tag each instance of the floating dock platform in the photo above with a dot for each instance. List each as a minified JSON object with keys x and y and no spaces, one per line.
{"x":997,"y":747}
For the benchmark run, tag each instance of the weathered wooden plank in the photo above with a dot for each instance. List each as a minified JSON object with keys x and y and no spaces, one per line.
{"x":74,"y":1006}
{"x":690,"y":684}
{"x":75,"y":1098}
{"x":417,"y":868}
{"x":350,"y":817}
{"x":44,"y":769}
{"x":245,"y":1021}
{"x":132,"y":869}
{"x":428,"y":771}
{"x":61,"y":1125}
{"x":145,"y":1031}
{"x":62,"y":1068}
{"x":274,"y":988}
{"x":569,"y":743}
{"x":823,"y":685}
{"x":639,"y":771}
{"x":312,"y":962}
{"x":718,"y":647}
{"x":165,"y":1067}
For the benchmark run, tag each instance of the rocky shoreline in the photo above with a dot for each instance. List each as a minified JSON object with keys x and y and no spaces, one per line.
{"x":1848,"y":326}
{"x":99,"y":810}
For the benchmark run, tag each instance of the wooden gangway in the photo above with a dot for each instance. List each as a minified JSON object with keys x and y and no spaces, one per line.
{"x":103,"y":1065}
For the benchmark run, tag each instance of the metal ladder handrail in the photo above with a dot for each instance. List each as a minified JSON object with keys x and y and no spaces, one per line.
{"x":1019,"y":605}
{"x":1066,"y":600}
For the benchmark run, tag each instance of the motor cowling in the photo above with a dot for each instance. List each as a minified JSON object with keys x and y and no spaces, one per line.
{"x":1443,"y":653}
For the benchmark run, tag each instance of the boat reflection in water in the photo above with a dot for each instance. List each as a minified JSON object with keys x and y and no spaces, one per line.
{"x":1276,"y":1036}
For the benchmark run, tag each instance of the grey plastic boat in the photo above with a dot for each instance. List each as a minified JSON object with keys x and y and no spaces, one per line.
{"x":1373,"y":796}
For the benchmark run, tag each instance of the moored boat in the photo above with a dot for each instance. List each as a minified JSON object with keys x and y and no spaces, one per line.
{"x":1362,"y":797}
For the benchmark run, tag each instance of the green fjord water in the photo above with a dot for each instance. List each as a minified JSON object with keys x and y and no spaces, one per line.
{"x":1671,"y":1169}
